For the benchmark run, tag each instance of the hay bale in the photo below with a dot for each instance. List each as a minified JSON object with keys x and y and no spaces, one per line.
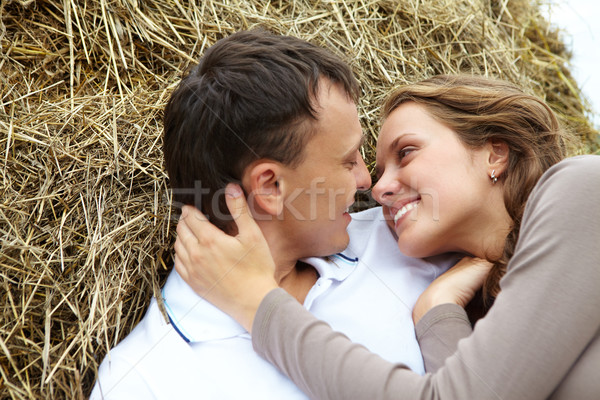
{"x":85,"y":220}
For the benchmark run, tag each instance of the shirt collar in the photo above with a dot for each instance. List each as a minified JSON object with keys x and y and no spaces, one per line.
{"x":337,"y":266}
{"x":197,"y":320}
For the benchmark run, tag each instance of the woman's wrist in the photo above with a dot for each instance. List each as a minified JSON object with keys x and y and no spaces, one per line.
{"x":428,"y":301}
{"x":247,"y":306}
{"x":457,"y":286}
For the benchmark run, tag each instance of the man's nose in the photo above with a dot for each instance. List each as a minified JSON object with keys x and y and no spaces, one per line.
{"x":363,"y":178}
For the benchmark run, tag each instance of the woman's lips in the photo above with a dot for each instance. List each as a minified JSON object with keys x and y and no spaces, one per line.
{"x":404,"y":210}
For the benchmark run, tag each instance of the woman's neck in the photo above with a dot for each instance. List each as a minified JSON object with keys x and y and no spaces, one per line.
{"x":488,"y":238}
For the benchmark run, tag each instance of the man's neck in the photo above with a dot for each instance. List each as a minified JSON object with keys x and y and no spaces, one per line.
{"x":298,"y":281}
{"x":294,"y":276}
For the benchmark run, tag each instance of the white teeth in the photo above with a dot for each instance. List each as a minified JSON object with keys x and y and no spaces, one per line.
{"x":404,"y":210}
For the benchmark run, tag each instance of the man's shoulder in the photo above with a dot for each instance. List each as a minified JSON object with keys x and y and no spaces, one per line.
{"x":151,"y":334}
{"x":137,"y":363}
{"x":151,"y":329}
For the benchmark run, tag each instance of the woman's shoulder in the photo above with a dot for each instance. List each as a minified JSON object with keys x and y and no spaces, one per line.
{"x":573,"y":175}
{"x":586,"y":166}
{"x":560,"y":220}
{"x":565,"y":197}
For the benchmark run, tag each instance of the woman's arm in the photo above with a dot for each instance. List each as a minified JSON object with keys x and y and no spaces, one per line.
{"x":541,"y":322}
{"x":439,"y":332}
{"x":540,"y":325}
{"x":236,"y":271}
{"x":444,"y":302}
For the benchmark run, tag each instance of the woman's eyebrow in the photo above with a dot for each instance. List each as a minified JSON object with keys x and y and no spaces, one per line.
{"x":394,"y":143}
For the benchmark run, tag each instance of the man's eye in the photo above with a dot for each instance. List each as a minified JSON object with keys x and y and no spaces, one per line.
{"x":351,"y":163}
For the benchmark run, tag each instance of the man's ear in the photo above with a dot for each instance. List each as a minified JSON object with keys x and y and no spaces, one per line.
{"x":498,"y":152}
{"x":262,"y":183}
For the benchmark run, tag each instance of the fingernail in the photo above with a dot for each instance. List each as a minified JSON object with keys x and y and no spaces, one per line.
{"x":184,"y":212}
{"x":233,"y":190}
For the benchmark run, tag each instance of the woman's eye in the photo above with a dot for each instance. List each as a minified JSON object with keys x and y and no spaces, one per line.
{"x":404,"y":152}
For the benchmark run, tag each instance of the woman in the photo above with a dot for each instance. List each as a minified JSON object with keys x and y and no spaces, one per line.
{"x":465,"y":164}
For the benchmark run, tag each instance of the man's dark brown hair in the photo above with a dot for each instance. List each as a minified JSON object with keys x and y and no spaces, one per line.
{"x":251,"y":96}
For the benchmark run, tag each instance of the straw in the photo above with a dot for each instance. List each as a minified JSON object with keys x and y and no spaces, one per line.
{"x":85,"y":223}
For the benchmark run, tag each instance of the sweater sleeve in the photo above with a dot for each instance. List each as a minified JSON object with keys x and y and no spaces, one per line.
{"x":539,"y":326}
{"x":438,"y":333}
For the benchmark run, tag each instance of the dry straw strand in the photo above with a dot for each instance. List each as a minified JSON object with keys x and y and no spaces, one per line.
{"x":85,"y":220}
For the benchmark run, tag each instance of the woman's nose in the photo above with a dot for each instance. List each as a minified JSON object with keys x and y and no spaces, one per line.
{"x":385,"y":188}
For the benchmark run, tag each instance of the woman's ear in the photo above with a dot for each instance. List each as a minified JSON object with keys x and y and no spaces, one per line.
{"x":497,"y":157}
{"x":261,"y":181}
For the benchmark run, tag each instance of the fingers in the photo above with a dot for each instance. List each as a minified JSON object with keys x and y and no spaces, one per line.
{"x":481,"y":267}
{"x":188,"y":252}
{"x":472,"y":263}
{"x":180,"y":268}
{"x":196,"y":223}
{"x":238,"y":207}
{"x":467,"y":276}
{"x":185,"y":236}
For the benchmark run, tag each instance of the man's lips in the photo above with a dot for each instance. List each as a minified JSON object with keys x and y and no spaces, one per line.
{"x":349,"y":206}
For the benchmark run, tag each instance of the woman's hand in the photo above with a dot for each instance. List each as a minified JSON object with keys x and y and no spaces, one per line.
{"x":232,"y":272}
{"x":458,"y":285}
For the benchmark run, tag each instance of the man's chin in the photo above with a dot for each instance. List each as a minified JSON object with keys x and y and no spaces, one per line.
{"x":340,"y":246}
{"x":331,"y":244}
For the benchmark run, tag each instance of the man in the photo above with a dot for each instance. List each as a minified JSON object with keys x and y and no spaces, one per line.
{"x":278,"y":115}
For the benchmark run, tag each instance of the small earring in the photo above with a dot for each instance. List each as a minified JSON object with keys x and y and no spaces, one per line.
{"x":493,"y":177}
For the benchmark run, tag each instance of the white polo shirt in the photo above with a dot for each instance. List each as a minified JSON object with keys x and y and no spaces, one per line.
{"x":367,"y":292}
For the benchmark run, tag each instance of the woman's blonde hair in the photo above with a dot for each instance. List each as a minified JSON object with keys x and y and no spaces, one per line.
{"x":479,"y":110}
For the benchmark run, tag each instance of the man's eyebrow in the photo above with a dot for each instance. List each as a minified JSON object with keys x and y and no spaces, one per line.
{"x":360,"y":144}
